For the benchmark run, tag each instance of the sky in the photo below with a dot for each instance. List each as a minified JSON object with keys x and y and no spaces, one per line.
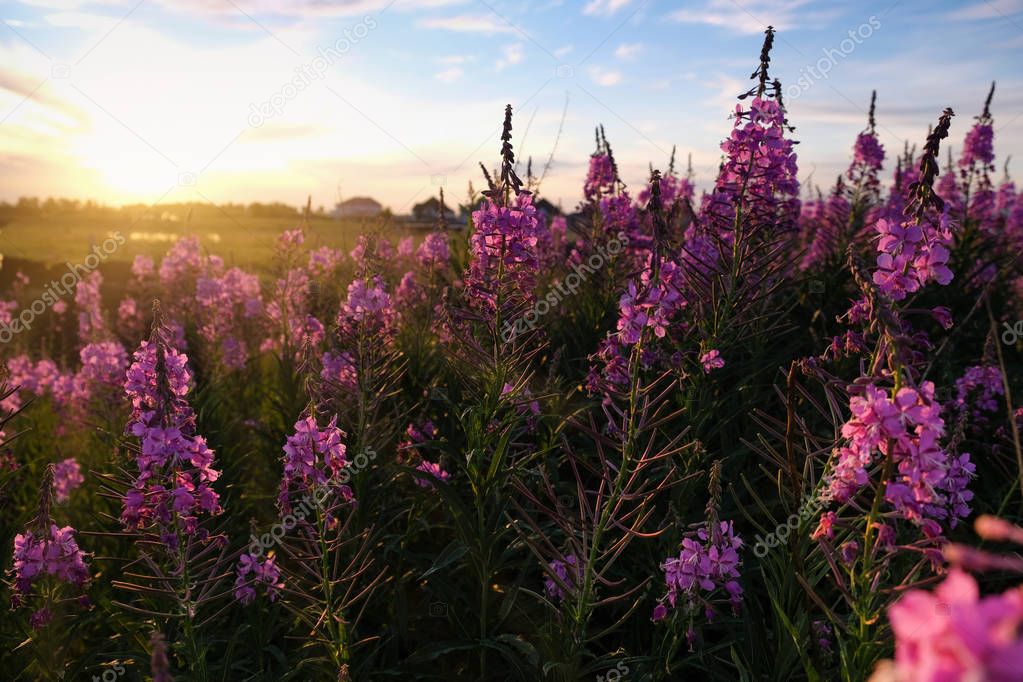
{"x":168,"y":101}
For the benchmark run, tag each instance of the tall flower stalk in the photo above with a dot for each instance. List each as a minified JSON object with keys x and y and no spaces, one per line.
{"x":170,"y":502}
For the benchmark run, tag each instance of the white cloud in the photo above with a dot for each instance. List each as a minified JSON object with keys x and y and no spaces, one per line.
{"x":450,"y":75}
{"x":989,"y":9}
{"x":605,"y":7}
{"x":627,"y":51}
{"x":605,"y":78}
{"x":455,"y":59}
{"x":563,"y":50}
{"x":753,"y":16}
{"x":513,"y":54}
{"x":81,"y":20}
{"x":469,"y":23}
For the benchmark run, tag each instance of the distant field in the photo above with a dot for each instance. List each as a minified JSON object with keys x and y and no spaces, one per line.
{"x":243,"y":241}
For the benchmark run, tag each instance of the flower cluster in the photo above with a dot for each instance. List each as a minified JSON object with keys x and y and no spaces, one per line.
{"x":431,"y":469}
{"x":600,"y":177}
{"x":313,"y":458}
{"x":175,"y":467}
{"x":56,"y":553}
{"x":339,"y":371}
{"x":368,"y":310}
{"x":910,"y":256}
{"x":712,"y":360}
{"x":708,"y":561}
{"x":227,"y":302}
{"x":504,"y":251}
{"x":91,"y":324}
{"x":434,"y":252}
{"x":956,"y":634}
{"x":928,"y":484}
{"x":253,"y":570}
{"x":67,"y":476}
{"x":568,"y":572}
{"x":980,"y":386}
{"x":324,"y":261}
{"x":868,"y":152}
{"x":759,"y":176}
{"x":103,"y":366}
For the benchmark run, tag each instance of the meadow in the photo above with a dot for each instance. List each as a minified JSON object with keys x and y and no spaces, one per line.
{"x":758,"y":432}
{"x":240,"y":240}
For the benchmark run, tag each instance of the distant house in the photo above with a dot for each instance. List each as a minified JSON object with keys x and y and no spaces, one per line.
{"x":430,"y":209}
{"x":547,"y":207}
{"x":357,"y":207}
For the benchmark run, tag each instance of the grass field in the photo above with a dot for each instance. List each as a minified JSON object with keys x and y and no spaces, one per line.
{"x":242,"y":241}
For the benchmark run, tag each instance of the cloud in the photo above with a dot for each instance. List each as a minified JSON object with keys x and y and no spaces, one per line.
{"x":469,"y":23}
{"x":605,"y":78}
{"x":753,"y":16}
{"x":989,"y":9}
{"x":627,"y":51}
{"x":81,"y":20}
{"x":24,"y":88}
{"x":69,"y":4}
{"x":563,"y":50}
{"x":455,"y":59}
{"x":449,"y":75}
{"x":605,"y":7}
{"x":283,"y":131}
{"x":513,"y":54}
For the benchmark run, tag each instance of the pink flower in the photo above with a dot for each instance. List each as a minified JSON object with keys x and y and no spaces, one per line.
{"x":175,"y":466}
{"x":504,"y":251}
{"x":707,"y":562}
{"x":67,"y":476}
{"x":712,"y":360}
{"x":955,"y":634}
{"x":368,"y":309}
{"x":313,"y":458}
{"x":56,"y":554}
{"x":433,"y":470}
{"x":826,"y":526}
{"x":434,"y":251}
{"x":264,"y":572}
{"x":567,"y":570}
{"x":660,"y":613}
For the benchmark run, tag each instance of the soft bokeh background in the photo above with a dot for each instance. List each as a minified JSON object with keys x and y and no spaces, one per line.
{"x":154,"y":101}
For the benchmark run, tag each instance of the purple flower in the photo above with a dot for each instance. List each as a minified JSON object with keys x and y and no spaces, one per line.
{"x":568,"y":570}
{"x":175,"y":467}
{"x":955,"y":634}
{"x":712,"y":360}
{"x":433,"y":470}
{"x":600,"y":177}
{"x":56,"y":554}
{"x":434,"y":252}
{"x":314,"y":458}
{"x":263,"y":571}
{"x":707,"y":563}
{"x":67,"y":476}
{"x":504,"y":251}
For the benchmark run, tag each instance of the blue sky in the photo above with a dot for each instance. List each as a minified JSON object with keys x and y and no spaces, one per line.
{"x":254,"y":100}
